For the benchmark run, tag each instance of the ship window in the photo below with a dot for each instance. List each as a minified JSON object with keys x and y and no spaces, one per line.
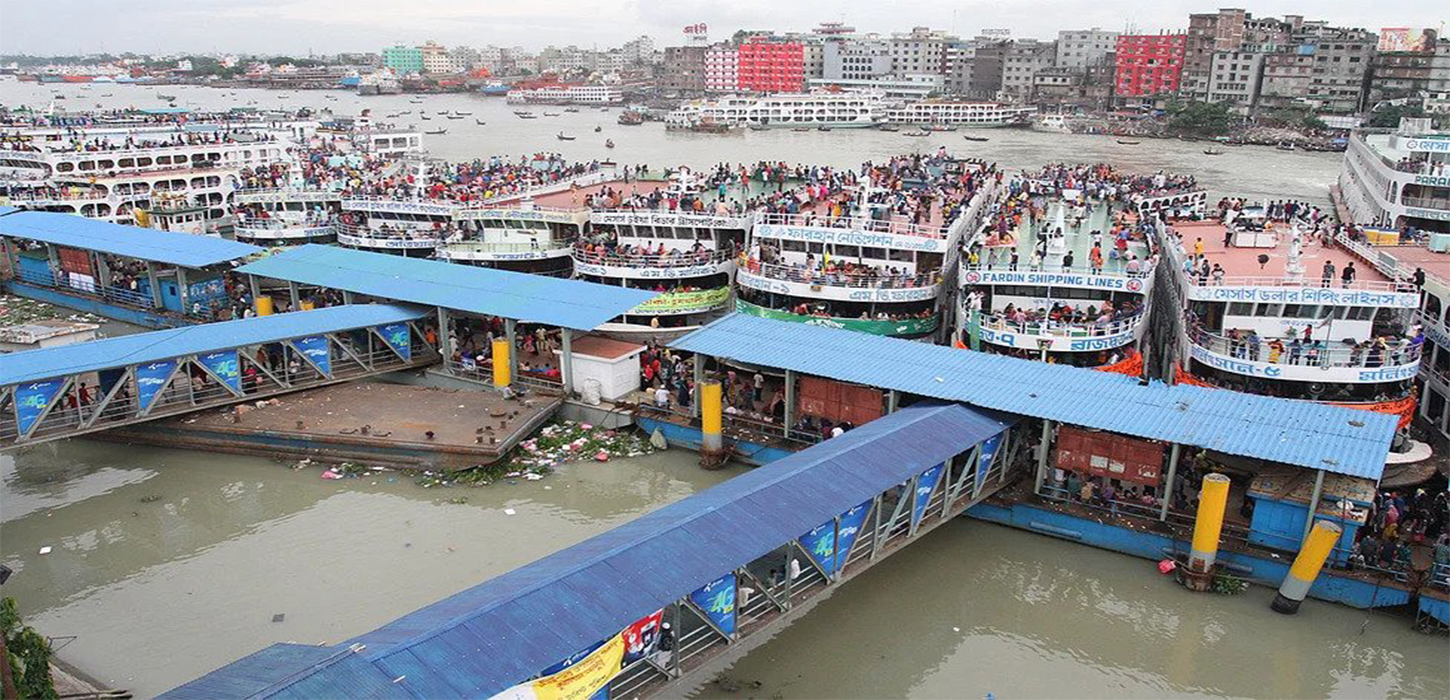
{"x":848,"y":251}
{"x":1360,"y":313}
{"x":143,"y":161}
{"x":902,"y":255}
{"x":64,"y":167}
{"x":793,"y":246}
{"x":1240,"y":308}
{"x":127,"y":162}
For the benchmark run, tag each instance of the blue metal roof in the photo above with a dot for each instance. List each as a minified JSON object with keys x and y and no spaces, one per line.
{"x":480,"y":290}
{"x":31,"y":365}
{"x":506,"y":630}
{"x":4,"y":210}
{"x":171,"y":248}
{"x":1300,"y":433}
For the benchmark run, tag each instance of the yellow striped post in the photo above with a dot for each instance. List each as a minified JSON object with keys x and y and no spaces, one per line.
{"x":1212,"y":500}
{"x":1312,"y":556}
{"x":264,"y":305}
{"x":711,"y":417}
{"x":501,"y":367}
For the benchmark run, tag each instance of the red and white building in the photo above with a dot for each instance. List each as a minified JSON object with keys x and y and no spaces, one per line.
{"x":767,"y":64}
{"x":1149,"y":64}
{"x":722,"y":68}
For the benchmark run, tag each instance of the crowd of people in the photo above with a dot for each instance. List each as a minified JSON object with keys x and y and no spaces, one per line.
{"x":1398,"y":522}
{"x":1247,"y":344}
{"x":1062,"y":314}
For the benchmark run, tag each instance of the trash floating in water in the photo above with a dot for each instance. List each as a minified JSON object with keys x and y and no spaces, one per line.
{"x":534,"y":458}
{"x":279,"y":617}
{"x":1167,"y":566}
{"x":509,"y":511}
{"x":45,"y":549}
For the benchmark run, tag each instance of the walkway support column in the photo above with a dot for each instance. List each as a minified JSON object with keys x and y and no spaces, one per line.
{"x":181,"y":291}
{"x":1042,"y":448}
{"x":1323,"y":535}
{"x":294,"y":296}
{"x":699,"y":366}
{"x":1167,"y":496}
{"x":566,"y":361}
{"x":445,"y":340}
{"x":1212,"y":500}
{"x":511,"y":333}
{"x":789,"y":402}
{"x":502,"y":363}
{"x":712,"y":442}
{"x":1313,"y":504}
{"x":155,"y":285}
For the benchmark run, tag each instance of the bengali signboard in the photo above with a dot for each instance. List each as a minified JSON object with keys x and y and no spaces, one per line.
{"x":578,"y":679}
{"x":1065,"y":343}
{"x":823,"y":290}
{"x":644,"y":272}
{"x":1323,"y":296}
{"x":225,"y":366}
{"x":402,"y":206}
{"x":904,"y":327}
{"x":553,"y":217}
{"x":388,"y":243}
{"x":1426,"y":145}
{"x":849,"y":236}
{"x":1054,"y":279}
{"x":317,"y":351}
{"x":654,"y":218}
{"x":31,"y":400}
{"x":1307,"y":373}
{"x":151,"y":379}
{"x":684,"y":302}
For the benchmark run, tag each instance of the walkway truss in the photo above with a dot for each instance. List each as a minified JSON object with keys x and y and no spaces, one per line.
{"x":889,"y":522}
{"x":56,"y":408}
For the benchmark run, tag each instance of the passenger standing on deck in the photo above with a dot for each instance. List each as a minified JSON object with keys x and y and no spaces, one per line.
{"x":1328,"y":276}
{"x":1347,"y":276}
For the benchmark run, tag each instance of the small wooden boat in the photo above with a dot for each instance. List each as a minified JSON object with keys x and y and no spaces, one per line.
{"x":889,"y":127}
{"x":424,"y":116}
{"x":974,"y":138}
{"x":463,"y":114}
{"x":823,"y":128}
{"x":479,"y":122}
{"x":801,"y":128}
{"x":455,"y":116}
{"x":921,"y":132}
{"x":1128,"y":143}
{"x":551,"y":114}
{"x":562,"y":137}
{"x":526,"y":115}
{"x":598,"y":129}
{"x":758,"y":127}
{"x":1212,"y":152}
{"x":1285,"y":146}
{"x":436,"y":132}
{"x":609,"y":143}
{"x":572,"y":110}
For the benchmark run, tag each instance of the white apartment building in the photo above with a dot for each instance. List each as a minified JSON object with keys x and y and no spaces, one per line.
{"x":923,"y":50}
{"x":722,"y":68}
{"x":1079,"y":48}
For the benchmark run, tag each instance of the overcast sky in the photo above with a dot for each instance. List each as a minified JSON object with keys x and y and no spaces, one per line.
{"x":330,"y":26}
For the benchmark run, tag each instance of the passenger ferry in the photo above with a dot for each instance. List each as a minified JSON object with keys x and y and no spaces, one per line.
{"x":855,"y":262}
{"x":817,"y":109}
{"x":958,"y":113}
{"x":566,"y":94}
{"x":1061,"y":273}
{"x":522,"y":235}
{"x":285,"y":216}
{"x":685,"y":252}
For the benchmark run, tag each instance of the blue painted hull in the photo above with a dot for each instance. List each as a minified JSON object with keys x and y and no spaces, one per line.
{"x":682,"y":436}
{"x":1150,"y":545}
{"x":93,"y":306}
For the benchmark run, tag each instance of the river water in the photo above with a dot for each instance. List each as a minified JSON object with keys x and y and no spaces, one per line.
{"x":168,"y":563}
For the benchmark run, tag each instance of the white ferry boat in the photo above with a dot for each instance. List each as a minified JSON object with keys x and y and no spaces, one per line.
{"x":831,"y":110}
{"x":285,"y":216}
{"x":1051,"y":123}
{"x":960,"y":113}
{"x":1067,"y":282}
{"x":866,"y":268}
{"x":567,"y":94}
{"x":521,"y":235}
{"x":670,"y":246}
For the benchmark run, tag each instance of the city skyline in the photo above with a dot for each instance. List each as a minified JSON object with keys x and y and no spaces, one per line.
{"x":333,"y":26}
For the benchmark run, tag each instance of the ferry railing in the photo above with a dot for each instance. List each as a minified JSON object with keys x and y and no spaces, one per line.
{"x":853,"y":223}
{"x":803,"y":275}
{"x":421,"y":237}
{"x":672,"y":258}
{"x":157,"y":149}
{"x":113,"y":294}
{"x":483,"y":372}
{"x":1440,"y":575}
{"x":465,"y":244}
{"x":1144,"y":271}
{"x":349,"y":197}
{"x":1396,"y":353}
{"x":736,"y":425}
{"x":277,"y":223}
{"x":1197,"y":279}
{"x":306,"y":194}
{"x":1067,"y":330}
{"x":1382,"y":258}
{"x":484,"y":207}
{"x":42,"y":198}
{"x":1425,"y":202}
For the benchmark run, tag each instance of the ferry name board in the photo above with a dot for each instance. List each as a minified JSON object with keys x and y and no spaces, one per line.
{"x":552,"y":217}
{"x":1437,"y":214}
{"x":1313,"y":373}
{"x":1428,"y":145}
{"x":1028,"y":341}
{"x":662,"y":273}
{"x":397,"y":205}
{"x":652,"y":218}
{"x":1325,"y":296}
{"x":813,"y":291}
{"x":1054,"y":279}
{"x":391,"y":243}
{"x":1432,"y":181}
{"x":848,"y":236}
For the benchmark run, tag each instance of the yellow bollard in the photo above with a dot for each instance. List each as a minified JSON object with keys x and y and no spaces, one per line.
{"x":502,"y":375}
{"x":1306,"y":567}
{"x":263,"y":305}
{"x":1212,"y":500}
{"x":711,"y":418}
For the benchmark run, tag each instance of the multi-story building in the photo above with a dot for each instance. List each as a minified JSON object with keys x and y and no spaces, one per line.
{"x":466,"y":57}
{"x":403,"y":59}
{"x":1395,"y":74}
{"x":1148,"y":64}
{"x":1208,"y":33}
{"x":813,"y":55}
{"x":638,"y":51}
{"x":684,"y":69}
{"x":1020,"y":64}
{"x":436,"y":59}
{"x":974,"y":68}
{"x":1235,"y":78}
{"x":722,"y":68}
{"x":1079,"y":48}
{"x":857,"y":58}
{"x":1340,"y":71}
{"x":922,"y":50}
{"x":768,"y":64}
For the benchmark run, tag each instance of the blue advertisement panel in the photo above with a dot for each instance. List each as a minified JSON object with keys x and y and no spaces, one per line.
{"x":820,"y":543}
{"x":317,"y":350}
{"x":717,"y":599}
{"x":225,"y":366}
{"x":398,"y":338}
{"x":989,"y":449}
{"x":150,"y":378}
{"x":925,"y":484}
{"x":31,"y":400}
{"x":851,"y":523}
